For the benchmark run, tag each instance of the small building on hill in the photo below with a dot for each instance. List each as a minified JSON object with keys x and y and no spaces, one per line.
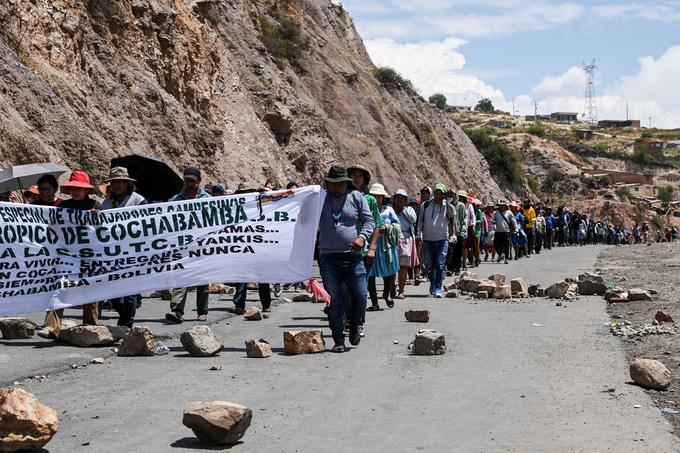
{"x":617,"y":124}
{"x":621,"y":177}
{"x":537,"y":118}
{"x":585,"y":134}
{"x":564,"y":117}
{"x":651,"y":145}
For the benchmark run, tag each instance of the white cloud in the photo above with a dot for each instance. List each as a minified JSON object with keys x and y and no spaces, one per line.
{"x":572,"y":82}
{"x":664,"y":11}
{"x":433,"y":67}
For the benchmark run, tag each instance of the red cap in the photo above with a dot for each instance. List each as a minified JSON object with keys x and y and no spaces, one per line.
{"x":78,"y":179}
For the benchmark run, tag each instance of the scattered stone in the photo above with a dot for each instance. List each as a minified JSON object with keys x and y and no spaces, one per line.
{"x":498,"y":279}
{"x":303,"y":297}
{"x":97,"y":361}
{"x":85,"y":336}
{"x":663,"y":317}
{"x":303,"y":342}
{"x":540,"y":292}
{"x":590,"y":285}
{"x":655,"y":322}
{"x":25,"y":423}
{"x":557,"y":290}
{"x":200,"y":341}
{"x":638,"y":294}
{"x":533,"y":290}
{"x":558,"y":304}
{"x":616,"y":294}
{"x":626,"y":330}
{"x":139,"y":341}
{"x":502,"y":292}
{"x":487,"y":286}
{"x":217,"y":288}
{"x":253,"y":314}
{"x":482,"y":295}
{"x":258,"y":349}
{"x":517,"y":285}
{"x":17,"y":328}
{"x":428,"y":342}
{"x":395,"y":341}
{"x":469,"y":285}
{"x":617,"y":317}
{"x":417,"y":315}
{"x":217,"y":422}
{"x":650,"y":374}
{"x":452,"y":294}
{"x":216,"y":368}
{"x":118,"y":332}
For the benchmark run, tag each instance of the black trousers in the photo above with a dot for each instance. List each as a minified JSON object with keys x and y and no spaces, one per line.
{"x":455,"y":255}
{"x":501,"y":242}
{"x":242,"y":291}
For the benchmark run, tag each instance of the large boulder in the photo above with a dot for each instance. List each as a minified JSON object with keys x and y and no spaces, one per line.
{"x":118,"y":332}
{"x":417,"y":315}
{"x":200,"y":341}
{"x":138,"y":341}
{"x":303,"y":342}
{"x":498,"y":279}
{"x":428,"y":342}
{"x":258,"y":349}
{"x":517,"y":285}
{"x":217,"y":422}
{"x":650,"y":374}
{"x":25,"y":423}
{"x":86,"y":336}
{"x":663,"y":317}
{"x":639,"y":294}
{"x":502,"y":292}
{"x":17,"y":328}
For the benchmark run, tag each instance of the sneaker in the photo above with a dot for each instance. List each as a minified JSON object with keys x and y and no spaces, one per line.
{"x":506,"y":262}
{"x":431,"y":289}
{"x":277,"y":290}
{"x":354,"y":337}
{"x":202,"y":318}
{"x":361,"y":332}
{"x":438,"y":294}
{"x":236,"y":310}
{"x":500,"y":258}
{"x":266,"y":310}
{"x":175,"y":317}
{"x":338,"y":348}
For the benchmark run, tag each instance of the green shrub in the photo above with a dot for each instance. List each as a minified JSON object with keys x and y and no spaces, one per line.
{"x":624,"y":193}
{"x":283,"y":40}
{"x":665,"y":194}
{"x":392,"y":81}
{"x":532,"y":182}
{"x":536,"y":129}
{"x":641,"y":157}
{"x":439,"y":100}
{"x":504,"y":164}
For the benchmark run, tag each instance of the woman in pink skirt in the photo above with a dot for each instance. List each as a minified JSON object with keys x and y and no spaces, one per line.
{"x":407,"y":219}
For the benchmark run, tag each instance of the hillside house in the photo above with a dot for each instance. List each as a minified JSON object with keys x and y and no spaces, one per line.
{"x":564,"y":117}
{"x":653,"y":146}
{"x":621,"y":177}
{"x":616,"y":124}
{"x":585,"y":134}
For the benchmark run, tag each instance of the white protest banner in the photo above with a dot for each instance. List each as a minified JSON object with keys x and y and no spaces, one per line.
{"x":56,"y":258}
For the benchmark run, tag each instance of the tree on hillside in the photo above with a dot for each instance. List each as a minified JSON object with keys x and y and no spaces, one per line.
{"x":665,"y":194}
{"x":439,"y":100}
{"x":485,"y":106}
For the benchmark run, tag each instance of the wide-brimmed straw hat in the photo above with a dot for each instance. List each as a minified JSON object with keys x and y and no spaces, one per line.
{"x":119,"y":173}
{"x":337,"y":173}
{"x":502,"y":202}
{"x":462,"y":193}
{"x":378,"y":189}
{"x":367,"y":174}
{"x":78,"y":179}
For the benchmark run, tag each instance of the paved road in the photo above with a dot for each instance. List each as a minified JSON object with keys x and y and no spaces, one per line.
{"x":505,"y":385}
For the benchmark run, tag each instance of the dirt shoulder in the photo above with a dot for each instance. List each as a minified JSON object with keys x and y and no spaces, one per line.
{"x":656,"y":268}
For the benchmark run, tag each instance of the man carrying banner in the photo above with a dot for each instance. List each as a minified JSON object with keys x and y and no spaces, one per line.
{"x":79,"y":187}
{"x":123,"y":195}
{"x":346,"y":224}
{"x":192,"y":190}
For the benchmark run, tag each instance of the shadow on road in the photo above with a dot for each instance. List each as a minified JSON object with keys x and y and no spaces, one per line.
{"x":193,"y":443}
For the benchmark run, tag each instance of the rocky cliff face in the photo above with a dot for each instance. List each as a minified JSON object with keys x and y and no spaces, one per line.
{"x":250,"y":90}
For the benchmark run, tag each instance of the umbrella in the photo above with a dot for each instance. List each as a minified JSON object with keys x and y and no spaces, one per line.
{"x":21,"y":176}
{"x":156,"y":181}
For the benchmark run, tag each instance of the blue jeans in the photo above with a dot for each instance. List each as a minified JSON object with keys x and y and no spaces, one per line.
{"x":342,"y":272}
{"x":435,"y":257}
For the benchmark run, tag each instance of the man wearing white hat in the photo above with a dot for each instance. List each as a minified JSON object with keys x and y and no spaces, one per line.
{"x":123,"y":195}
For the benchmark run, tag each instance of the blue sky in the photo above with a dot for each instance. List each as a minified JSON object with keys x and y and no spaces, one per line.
{"x":531,"y":50}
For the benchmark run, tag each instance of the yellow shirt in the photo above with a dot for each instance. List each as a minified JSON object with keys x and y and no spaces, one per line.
{"x":530,"y":214}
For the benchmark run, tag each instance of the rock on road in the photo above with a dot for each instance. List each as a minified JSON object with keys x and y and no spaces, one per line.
{"x":518,"y":377}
